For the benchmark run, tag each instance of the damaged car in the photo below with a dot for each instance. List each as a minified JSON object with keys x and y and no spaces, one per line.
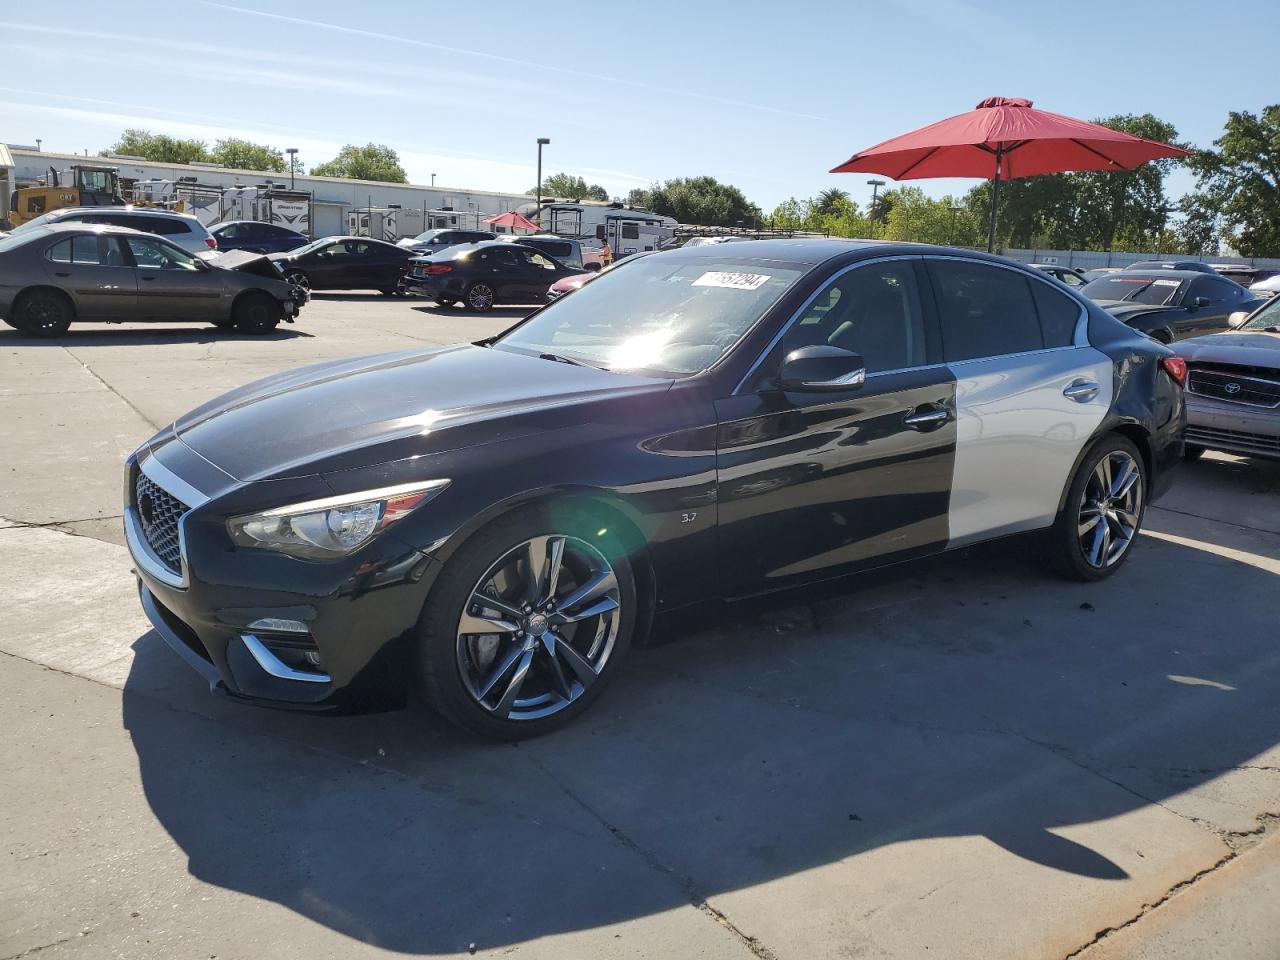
{"x":59,"y":274}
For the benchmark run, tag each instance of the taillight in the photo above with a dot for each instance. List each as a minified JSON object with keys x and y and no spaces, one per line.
{"x":435,"y":269}
{"x":1176,"y":367}
{"x":212,"y":242}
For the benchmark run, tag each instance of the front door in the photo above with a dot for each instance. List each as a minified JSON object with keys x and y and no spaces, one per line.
{"x":821,"y":483}
{"x":171,"y":283}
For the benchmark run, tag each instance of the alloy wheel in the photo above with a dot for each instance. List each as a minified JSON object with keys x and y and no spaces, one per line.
{"x":1110,"y":509}
{"x":538,"y":628}
{"x":300,"y":278}
{"x":480,"y":296}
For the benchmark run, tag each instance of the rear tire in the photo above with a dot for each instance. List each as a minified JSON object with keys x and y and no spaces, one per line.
{"x":480,"y":297}
{"x":457,"y":665}
{"x":1191,"y":452}
{"x":1099,"y":522}
{"x":43,"y":313}
{"x":256,"y":313}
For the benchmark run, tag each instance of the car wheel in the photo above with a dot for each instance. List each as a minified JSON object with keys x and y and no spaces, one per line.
{"x":256,"y":313}
{"x":43,"y":313}
{"x":480,"y":297}
{"x":298,"y":277}
{"x":1100,"y":520}
{"x":1191,"y":452}
{"x":527,"y":623}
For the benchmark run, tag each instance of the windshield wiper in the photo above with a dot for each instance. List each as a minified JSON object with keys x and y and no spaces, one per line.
{"x":575,"y":361}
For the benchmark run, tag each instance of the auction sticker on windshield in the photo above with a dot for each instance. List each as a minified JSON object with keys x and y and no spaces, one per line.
{"x":734,"y":281}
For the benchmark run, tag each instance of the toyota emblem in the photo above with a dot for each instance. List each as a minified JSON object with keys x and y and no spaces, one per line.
{"x":1232,"y":388}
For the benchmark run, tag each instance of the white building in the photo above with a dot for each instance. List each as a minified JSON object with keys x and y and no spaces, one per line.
{"x":332,"y":197}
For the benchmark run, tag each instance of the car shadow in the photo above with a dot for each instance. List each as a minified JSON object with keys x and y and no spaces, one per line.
{"x":968,"y":695}
{"x":139,"y":334}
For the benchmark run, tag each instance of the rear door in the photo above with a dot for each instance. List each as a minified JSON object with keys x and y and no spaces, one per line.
{"x":99,"y":278}
{"x":812,"y":484}
{"x":1030,"y":392}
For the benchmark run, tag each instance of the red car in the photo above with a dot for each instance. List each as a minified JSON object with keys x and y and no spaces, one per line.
{"x":569,"y":284}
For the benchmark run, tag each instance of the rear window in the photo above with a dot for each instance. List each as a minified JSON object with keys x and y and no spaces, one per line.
{"x":1152,"y":291}
{"x":1058,"y":315}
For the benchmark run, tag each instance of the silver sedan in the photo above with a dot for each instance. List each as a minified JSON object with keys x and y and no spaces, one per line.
{"x":55,"y":275}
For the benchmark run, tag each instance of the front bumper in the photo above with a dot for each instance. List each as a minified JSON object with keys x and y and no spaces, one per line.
{"x":270,"y":629}
{"x":1239,"y":428}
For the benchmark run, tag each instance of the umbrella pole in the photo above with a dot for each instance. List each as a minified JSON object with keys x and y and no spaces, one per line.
{"x":995,"y":202}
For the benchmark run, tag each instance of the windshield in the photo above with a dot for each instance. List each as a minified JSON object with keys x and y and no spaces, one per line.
{"x":313,"y":245}
{"x":671,"y":316}
{"x":1153,"y":291}
{"x":1267,"y":318}
{"x":427,"y":236}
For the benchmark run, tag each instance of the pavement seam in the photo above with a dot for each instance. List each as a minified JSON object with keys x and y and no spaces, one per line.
{"x":127,"y":402}
{"x":1226,"y":523}
{"x":686,"y":884}
{"x":32,"y":951}
{"x":1237,"y":849}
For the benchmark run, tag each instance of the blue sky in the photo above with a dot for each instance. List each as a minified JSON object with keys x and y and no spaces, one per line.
{"x":764,"y":95}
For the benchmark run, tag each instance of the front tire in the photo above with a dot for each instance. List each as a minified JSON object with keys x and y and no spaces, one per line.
{"x":480,"y":297}
{"x":1096,"y":528}
{"x":43,"y":313}
{"x":528,"y":622}
{"x":256,"y":313}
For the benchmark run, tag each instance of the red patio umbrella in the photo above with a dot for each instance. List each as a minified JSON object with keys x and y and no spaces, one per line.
{"x":512,"y":221}
{"x":1001,"y":139}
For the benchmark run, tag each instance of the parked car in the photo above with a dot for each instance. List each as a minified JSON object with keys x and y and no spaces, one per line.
{"x":60,"y":273}
{"x":1171,"y":305}
{"x":560,"y":249}
{"x":571,"y":283}
{"x":346,"y":263}
{"x":1267,"y":287}
{"x":1233,"y":387}
{"x":257,"y":237}
{"x":1193,"y":265}
{"x":503,"y":519}
{"x":705,"y":241}
{"x":1097,"y":272}
{"x":480,"y":276}
{"x":1068,"y":275}
{"x":179,"y":228}
{"x":432,"y":240}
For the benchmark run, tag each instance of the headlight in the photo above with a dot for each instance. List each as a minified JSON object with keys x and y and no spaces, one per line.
{"x":333,"y":527}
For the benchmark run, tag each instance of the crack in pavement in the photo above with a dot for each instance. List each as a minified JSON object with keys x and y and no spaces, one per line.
{"x":125,"y":400}
{"x":686,"y":883}
{"x":32,"y":951}
{"x":1265,"y":823}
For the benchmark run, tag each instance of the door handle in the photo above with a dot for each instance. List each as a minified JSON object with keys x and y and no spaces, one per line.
{"x":1081,"y":391}
{"x":61,"y":273}
{"x":931,"y":419}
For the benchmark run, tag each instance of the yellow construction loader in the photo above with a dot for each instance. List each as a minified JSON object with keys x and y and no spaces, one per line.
{"x":80,"y":186}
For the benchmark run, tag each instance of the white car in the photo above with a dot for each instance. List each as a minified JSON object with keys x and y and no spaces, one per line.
{"x":179,"y":228}
{"x":1266,"y":288}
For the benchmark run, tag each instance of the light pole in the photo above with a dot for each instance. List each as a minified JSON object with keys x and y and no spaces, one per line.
{"x":293,"y":162}
{"x":954,"y":210}
{"x":433,"y":179}
{"x":542,"y":142}
{"x":875,"y":186}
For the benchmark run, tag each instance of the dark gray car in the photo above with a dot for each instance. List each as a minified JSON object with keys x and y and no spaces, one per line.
{"x":57,"y":274}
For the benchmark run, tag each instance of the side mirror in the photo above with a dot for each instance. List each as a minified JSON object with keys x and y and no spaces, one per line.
{"x":1199,"y":302}
{"x":201,"y":265}
{"x":822,"y":367}
{"x":1237,"y":318}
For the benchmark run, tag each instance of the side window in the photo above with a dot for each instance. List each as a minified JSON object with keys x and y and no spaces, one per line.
{"x":986,"y":311}
{"x":85,"y":250}
{"x":873,"y":311}
{"x":538,"y":260}
{"x":507,"y":258}
{"x":164,"y":226}
{"x":1214,"y":289}
{"x":1058,"y":315}
{"x":235,"y":231}
{"x":60,"y":252}
{"x":152,"y":254}
{"x":630,"y":231}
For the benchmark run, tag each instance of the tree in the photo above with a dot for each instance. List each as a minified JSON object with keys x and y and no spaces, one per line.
{"x":792,"y":215}
{"x":373,"y":161}
{"x":160,"y":147}
{"x":245,"y":155}
{"x":640,"y":197}
{"x":916,"y":217}
{"x":829,"y":201}
{"x":564,"y":186}
{"x":1240,"y":181}
{"x":1198,"y":231}
{"x":703,"y":200}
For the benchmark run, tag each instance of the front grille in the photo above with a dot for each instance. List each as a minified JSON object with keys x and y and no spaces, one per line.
{"x":1252,"y":386}
{"x":159,"y":512}
{"x":1236,"y":440}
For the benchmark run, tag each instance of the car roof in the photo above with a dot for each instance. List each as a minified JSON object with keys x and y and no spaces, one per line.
{"x":812,"y":251}
{"x":96,"y":228}
{"x":228,"y":223}
{"x":129,"y":209}
{"x":1161,"y":274}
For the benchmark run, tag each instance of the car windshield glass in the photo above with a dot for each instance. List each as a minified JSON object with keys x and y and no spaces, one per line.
{"x":427,"y":236}
{"x":667,"y":315}
{"x":39,"y":221}
{"x":1268,"y":316}
{"x":17,"y":239}
{"x":313,"y":245}
{"x":1153,"y":291}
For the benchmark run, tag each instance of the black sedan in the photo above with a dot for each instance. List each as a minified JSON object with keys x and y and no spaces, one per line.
{"x":257,"y":237}
{"x":55,"y":275}
{"x":1171,"y":305}
{"x":503,"y":519}
{"x":346,"y":263}
{"x":483,"y":275}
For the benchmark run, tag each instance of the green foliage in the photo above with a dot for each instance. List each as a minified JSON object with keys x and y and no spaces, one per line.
{"x":1240,"y":183}
{"x":373,"y":161}
{"x":830,"y":201}
{"x":915,"y":217}
{"x":158,"y":146}
{"x":245,"y":155}
{"x":564,"y":186}
{"x":701,"y":200}
{"x":640,"y":197}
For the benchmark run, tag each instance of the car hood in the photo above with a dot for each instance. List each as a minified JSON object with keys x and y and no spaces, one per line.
{"x":370,"y":410}
{"x":1123,"y":308}
{"x":245,"y":261}
{"x":1253,"y":348}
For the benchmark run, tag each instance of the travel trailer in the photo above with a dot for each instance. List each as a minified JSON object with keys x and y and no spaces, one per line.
{"x":628,"y":229}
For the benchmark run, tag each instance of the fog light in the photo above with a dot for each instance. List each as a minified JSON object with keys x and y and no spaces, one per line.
{"x":280,"y":626}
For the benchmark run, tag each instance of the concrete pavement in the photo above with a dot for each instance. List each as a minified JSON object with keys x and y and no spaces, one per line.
{"x":958,"y":758}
